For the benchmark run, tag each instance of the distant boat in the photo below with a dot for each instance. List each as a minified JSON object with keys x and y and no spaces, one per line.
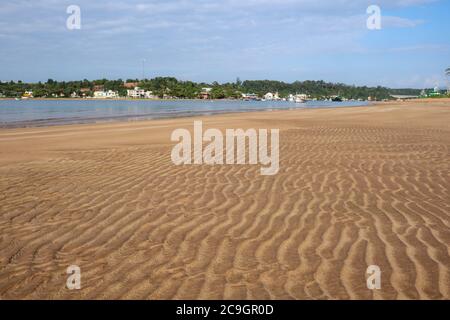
{"x":17,"y":99}
{"x":299,"y":100}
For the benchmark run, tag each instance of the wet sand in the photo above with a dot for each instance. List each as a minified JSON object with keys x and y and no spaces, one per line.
{"x":356,"y":187}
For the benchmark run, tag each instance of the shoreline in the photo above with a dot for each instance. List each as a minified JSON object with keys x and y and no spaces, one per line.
{"x":115,"y":99}
{"x":226,"y":99}
{"x":129,"y":118}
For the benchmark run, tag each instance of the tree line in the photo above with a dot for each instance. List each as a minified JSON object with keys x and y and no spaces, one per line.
{"x":172,"y":87}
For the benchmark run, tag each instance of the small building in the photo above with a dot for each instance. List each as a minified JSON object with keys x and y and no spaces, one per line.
{"x":250,"y":96}
{"x":106,"y":94}
{"x":268,"y":96}
{"x":205,"y":93}
{"x":100,"y":94}
{"x":272,"y":96}
{"x":136,"y":93}
{"x":112,"y":94}
{"x":28,"y":94}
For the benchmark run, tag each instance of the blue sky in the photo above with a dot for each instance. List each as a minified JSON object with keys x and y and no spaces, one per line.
{"x":210,"y":40}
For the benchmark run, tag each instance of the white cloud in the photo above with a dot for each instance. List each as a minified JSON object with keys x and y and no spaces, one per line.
{"x":327,"y":15}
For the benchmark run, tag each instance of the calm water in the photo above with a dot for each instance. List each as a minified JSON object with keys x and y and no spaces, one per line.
{"x":52,"y":112}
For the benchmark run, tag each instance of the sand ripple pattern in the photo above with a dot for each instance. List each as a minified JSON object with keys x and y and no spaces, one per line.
{"x":348,"y":195}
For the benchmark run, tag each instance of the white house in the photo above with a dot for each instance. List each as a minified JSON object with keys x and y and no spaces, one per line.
{"x":269,"y":96}
{"x":106,"y":94}
{"x":112,"y":94}
{"x":100,"y":94}
{"x":136,"y":93}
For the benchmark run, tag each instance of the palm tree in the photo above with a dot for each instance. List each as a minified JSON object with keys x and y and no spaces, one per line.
{"x":447,"y":72}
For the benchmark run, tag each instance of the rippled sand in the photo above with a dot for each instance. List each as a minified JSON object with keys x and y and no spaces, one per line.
{"x":356,"y":187}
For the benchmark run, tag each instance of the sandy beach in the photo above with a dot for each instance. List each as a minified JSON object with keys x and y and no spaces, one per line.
{"x":356,"y":187}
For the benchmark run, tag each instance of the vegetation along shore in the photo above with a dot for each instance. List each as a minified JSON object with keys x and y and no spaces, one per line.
{"x":171,"y":88}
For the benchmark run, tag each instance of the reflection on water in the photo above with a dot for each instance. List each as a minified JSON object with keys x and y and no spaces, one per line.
{"x":48,"y":112}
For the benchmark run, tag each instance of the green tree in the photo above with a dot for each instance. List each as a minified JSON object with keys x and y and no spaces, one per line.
{"x":217,"y":93}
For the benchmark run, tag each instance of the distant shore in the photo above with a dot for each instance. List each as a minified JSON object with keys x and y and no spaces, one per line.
{"x":443,"y":98}
{"x":118,"y":99}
